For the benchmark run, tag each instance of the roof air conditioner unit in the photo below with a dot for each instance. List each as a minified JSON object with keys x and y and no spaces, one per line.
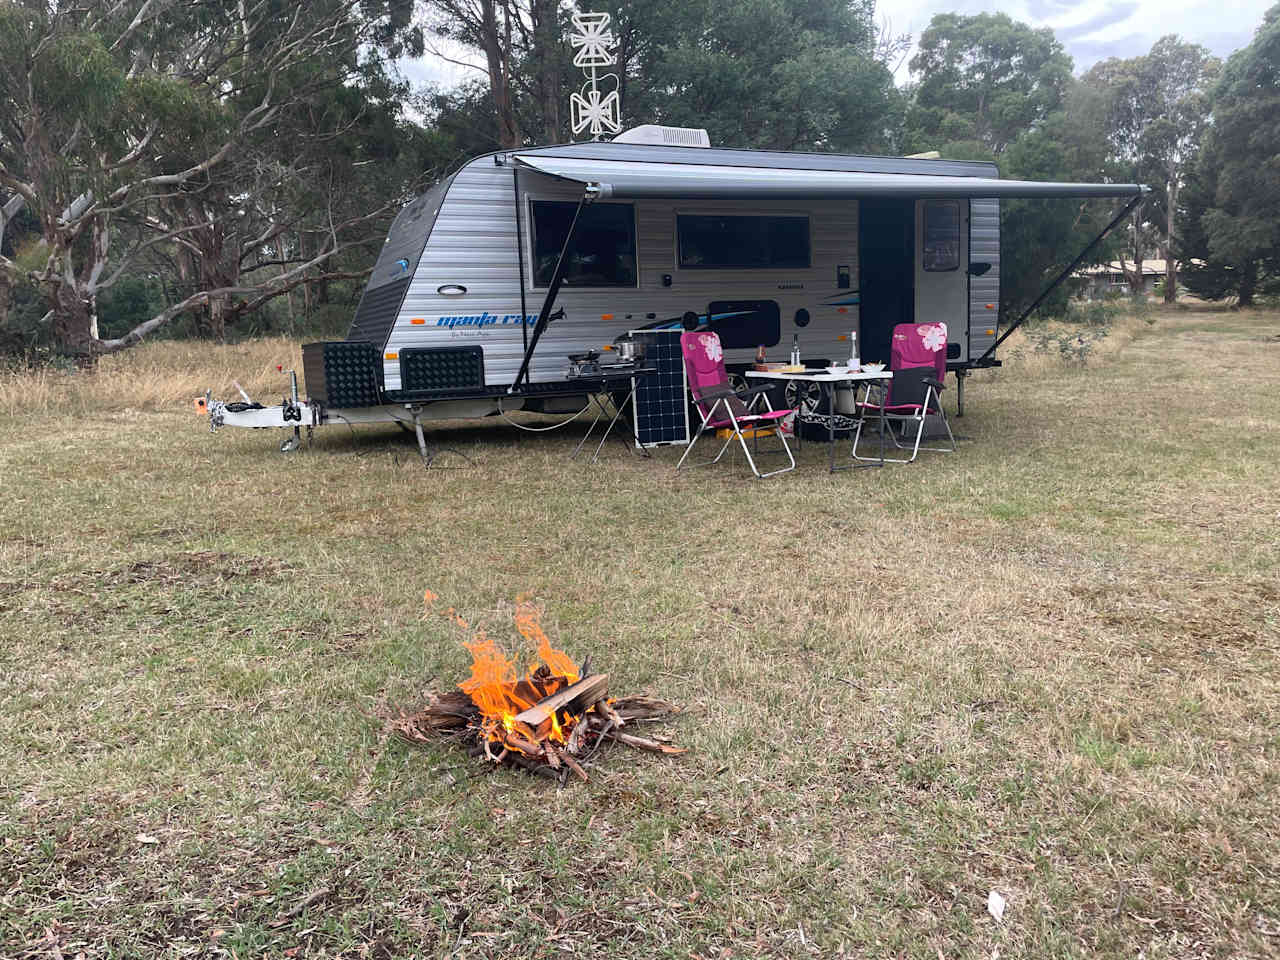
{"x":652,"y":133}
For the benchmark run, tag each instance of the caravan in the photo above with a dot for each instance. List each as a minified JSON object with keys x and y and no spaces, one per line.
{"x":495,"y":277}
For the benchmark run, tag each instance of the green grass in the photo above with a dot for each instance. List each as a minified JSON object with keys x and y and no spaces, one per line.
{"x":1045,"y":665}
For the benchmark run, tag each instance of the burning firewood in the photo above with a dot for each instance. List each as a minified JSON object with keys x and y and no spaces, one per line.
{"x":550,"y":720}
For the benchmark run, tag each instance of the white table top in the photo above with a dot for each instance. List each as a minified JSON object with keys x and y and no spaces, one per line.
{"x":825,"y":377}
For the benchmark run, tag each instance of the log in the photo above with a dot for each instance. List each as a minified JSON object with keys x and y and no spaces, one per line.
{"x":610,"y":714}
{"x":518,"y":743}
{"x":575,"y":698}
{"x":643,"y":708}
{"x":643,"y":743}
{"x":577,"y":735}
{"x":573,"y":765}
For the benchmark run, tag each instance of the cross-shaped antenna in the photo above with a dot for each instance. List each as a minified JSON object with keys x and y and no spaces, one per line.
{"x":589,"y":108}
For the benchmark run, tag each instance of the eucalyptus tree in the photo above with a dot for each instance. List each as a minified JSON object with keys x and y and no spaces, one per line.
{"x":787,"y":74}
{"x":525,"y":59}
{"x":777,"y":74}
{"x":130,"y":128}
{"x":1157,"y":112}
{"x":984,"y":79}
{"x":986,"y":87}
{"x":1233,"y":206}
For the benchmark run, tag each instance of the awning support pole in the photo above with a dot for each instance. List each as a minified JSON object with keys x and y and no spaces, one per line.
{"x":1061,"y":277}
{"x":553,"y":290}
{"x":524,"y":310}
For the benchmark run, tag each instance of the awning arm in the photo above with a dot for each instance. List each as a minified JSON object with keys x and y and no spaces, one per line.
{"x":1063,"y":275}
{"x":553,"y":290}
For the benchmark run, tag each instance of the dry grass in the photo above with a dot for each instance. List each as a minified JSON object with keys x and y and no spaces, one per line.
{"x":1046,"y":665}
{"x":157,"y":375}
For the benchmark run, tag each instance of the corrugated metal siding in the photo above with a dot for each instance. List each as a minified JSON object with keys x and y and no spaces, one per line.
{"x":984,"y":247}
{"x":474,"y":244}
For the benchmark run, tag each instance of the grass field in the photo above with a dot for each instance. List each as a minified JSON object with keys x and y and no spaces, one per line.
{"x":1048,"y":665}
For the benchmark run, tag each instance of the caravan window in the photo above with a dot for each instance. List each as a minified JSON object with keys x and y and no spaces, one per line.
{"x":732,"y":242}
{"x":941,"y":235}
{"x":603,"y":253}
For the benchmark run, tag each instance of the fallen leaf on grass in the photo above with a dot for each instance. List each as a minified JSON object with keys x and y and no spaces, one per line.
{"x":995,"y":906}
{"x":147,"y":838}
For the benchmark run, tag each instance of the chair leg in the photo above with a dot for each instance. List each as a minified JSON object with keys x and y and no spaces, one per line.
{"x":900,"y":446}
{"x":945,"y":423}
{"x":697,"y":436}
{"x":751,"y":460}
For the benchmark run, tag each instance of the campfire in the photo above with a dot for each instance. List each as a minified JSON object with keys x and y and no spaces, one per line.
{"x":552,"y":719}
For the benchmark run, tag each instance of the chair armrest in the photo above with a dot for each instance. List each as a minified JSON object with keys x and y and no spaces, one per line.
{"x":711,"y":396}
{"x":714,"y":395}
{"x":931,"y":382}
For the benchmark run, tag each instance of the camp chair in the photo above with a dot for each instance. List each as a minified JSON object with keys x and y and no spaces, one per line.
{"x":723,"y":408}
{"x":918,"y":361}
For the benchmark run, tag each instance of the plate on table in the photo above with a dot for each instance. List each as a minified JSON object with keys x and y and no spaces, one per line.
{"x":873,"y":368}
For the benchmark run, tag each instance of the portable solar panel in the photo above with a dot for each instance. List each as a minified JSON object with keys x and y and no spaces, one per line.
{"x":660,"y":405}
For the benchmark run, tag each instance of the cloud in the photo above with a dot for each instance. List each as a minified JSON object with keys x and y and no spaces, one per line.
{"x":1112,"y":14}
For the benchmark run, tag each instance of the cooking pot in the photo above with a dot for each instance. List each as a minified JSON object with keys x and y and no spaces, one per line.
{"x":628,"y":350}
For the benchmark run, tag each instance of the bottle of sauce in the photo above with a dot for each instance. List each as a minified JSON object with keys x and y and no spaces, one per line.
{"x":760,"y":360}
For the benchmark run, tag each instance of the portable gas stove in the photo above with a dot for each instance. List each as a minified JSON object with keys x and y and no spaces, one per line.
{"x":584,"y":365}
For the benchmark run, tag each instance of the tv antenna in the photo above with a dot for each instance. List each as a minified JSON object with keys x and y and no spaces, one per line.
{"x":591,"y":109}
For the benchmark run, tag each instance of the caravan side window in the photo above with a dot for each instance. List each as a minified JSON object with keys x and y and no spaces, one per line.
{"x":603,"y":253}
{"x":941,"y":235}
{"x":733,"y":242}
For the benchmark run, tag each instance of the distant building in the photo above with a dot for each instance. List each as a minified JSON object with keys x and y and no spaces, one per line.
{"x":1094,"y":283}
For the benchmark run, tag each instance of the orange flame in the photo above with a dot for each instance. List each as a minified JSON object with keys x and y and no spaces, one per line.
{"x":501,"y":693}
{"x":529,"y":625}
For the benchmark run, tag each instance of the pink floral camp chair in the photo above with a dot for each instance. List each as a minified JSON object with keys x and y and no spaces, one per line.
{"x":723,"y":408}
{"x":918,"y":360}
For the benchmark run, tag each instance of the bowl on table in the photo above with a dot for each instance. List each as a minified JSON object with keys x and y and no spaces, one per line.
{"x":872,"y":367}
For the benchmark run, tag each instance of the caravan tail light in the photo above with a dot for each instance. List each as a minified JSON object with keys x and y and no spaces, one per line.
{"x":418,"y":321}
{"x":606,"y":316}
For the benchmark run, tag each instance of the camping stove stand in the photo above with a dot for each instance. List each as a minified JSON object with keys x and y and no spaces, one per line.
{"x":600,"y":382}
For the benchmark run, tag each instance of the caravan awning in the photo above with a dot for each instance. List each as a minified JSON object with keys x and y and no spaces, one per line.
{"x":633,"y":180}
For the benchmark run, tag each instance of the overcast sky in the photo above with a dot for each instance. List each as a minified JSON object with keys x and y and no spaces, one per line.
{"x":1091,"y":30}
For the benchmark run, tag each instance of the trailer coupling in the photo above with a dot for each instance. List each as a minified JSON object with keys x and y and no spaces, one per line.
{"x":294,"y":413}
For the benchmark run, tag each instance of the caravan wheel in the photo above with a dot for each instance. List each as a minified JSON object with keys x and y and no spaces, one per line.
{"x":803,"y":396}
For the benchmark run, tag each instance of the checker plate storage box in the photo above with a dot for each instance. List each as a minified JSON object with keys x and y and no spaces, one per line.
{"x":343,"y":374}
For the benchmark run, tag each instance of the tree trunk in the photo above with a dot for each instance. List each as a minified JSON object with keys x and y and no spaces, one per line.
{"x":1135,"y":277}
{"x":546,"y":38}
{"x":496,"y":61}
{"x":1248,"y":284}
{"x":74,"y":324}
{"x":6,"y":296}
{"x":1170,"y":265}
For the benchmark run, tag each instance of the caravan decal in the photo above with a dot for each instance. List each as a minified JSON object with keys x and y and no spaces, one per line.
{"x":486,"y":319}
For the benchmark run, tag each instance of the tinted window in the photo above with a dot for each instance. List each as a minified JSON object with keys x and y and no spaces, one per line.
{"x":745,"y":323}
{"x":724,"y":242}
{"x":941,"y":235}
{"x":604,"y":245}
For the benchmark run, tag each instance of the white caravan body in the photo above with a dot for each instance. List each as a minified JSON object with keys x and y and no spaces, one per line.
{"x":461,"y":265}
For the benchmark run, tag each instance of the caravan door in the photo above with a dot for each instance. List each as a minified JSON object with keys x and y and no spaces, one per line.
{"x":942,"y":269}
